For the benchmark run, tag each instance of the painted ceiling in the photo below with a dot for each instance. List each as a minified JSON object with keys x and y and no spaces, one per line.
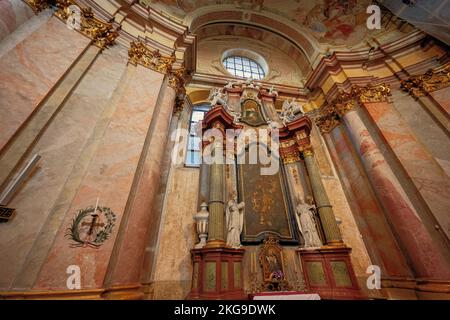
{"x":333,"y":22}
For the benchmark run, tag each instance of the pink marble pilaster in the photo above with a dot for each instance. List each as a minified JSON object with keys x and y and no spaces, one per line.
{"x":426,"y":174}
{"x":13,"y":13}
{"x":377,"y":235}
{"x":423,"y":253}
{"x":30,"y":70}
{"x":442,"y":99}
{"x":142,"y":215}
{"x":110,"y":177}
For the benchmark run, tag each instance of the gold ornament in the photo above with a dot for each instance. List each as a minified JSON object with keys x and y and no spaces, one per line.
{"x":433,"y":80}
{"x":152,"y":59}
{"x":37,"y":5}
{"x":176,"y":80}
{"x":101,"y":33}
{"x":376,"y":93}
{"x":327,"y":120}
{"x":306,"y":150}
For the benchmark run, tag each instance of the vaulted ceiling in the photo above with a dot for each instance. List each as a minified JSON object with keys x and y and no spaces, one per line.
{"x":331,"y":22}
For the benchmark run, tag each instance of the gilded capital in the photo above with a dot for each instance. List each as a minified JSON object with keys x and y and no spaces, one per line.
{"x":306,"y":150}
{"x":374,"y":93}
{"x":327,"y":120}
{"x":176,"y":80}
{"x":432,"y":80}
{"x":343,"y":108}
{"x":37,"y":5}
{"x":139,"y":53}
{"x":291,"y":157}
{"x":101,"y":33}
{"x":179,"y":104}
{"x":289,"y":152}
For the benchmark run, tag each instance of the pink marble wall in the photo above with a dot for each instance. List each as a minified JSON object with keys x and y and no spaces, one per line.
{"x":377,"y":235}
{"x":425,"y":256}
{"x":30,"y":70}
{"x":429,"y":178}
{"x":13,"y":13}
{"x":442,"y":99}
{"x":64,"y":146}
{"x":128,"y":267}
{"x":110,"y":177}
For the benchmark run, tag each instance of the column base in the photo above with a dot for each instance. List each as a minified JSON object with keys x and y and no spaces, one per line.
{"x":328,"y":271}
{"x":217,"y":274}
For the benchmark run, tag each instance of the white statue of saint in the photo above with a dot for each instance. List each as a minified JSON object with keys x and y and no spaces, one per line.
{"x":234,"y":221}
{"x":307,"y":224}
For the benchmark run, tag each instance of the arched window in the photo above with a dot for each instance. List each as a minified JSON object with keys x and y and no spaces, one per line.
{"x":243,"y":67}
{"x":193,"y":156}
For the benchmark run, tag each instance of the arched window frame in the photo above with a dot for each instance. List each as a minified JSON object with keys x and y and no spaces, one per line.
{"x":193,"y":150}
{"x":243,"y":67}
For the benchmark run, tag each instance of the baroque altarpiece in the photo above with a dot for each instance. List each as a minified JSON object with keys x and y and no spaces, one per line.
{"x":272,"y":202}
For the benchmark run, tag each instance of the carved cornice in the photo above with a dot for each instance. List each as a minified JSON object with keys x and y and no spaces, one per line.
{"x":152,"y":59}
{"x":433,"y":80}
{"x":37,"y":5}
{"x":101,"y":33}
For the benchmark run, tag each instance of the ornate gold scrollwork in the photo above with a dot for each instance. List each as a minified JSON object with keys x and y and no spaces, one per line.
{"x":290,"y":157}
{"x":176,"y":80}
{"x":37,"y":5}
{"x":347,"y":101}
{"x":432,"y":80}
{"x":179,"y":104}
{"x":152,"y":59}
{"x":288,"y":151}
{"x":100,"y":32}
{"x":376,"y":93}
{"x":306,"y":150}
{"x":327,"y":120}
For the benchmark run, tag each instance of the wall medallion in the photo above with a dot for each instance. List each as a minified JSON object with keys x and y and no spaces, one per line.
{"x":91,"y":227}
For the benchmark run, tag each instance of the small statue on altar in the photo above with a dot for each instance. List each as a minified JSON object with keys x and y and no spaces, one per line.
{"x":217,"y":96}
{"x":234,"y":221}
{"x":307,"y":224}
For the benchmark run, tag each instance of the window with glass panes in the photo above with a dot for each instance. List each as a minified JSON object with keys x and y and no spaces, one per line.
{"x":193,"y":156}
{"x":244,"y":67}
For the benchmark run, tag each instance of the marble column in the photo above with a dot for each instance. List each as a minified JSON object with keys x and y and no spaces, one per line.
{"x":427,"y":261}
{"x":378,"y":238}
{"x":327,"y":218}
{"x":216,"y":235}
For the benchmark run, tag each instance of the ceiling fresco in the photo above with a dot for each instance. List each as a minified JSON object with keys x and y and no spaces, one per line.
{"x":334,"y":22}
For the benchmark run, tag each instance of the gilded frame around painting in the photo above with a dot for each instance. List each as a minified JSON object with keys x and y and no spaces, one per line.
{"x":270,"y":195}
